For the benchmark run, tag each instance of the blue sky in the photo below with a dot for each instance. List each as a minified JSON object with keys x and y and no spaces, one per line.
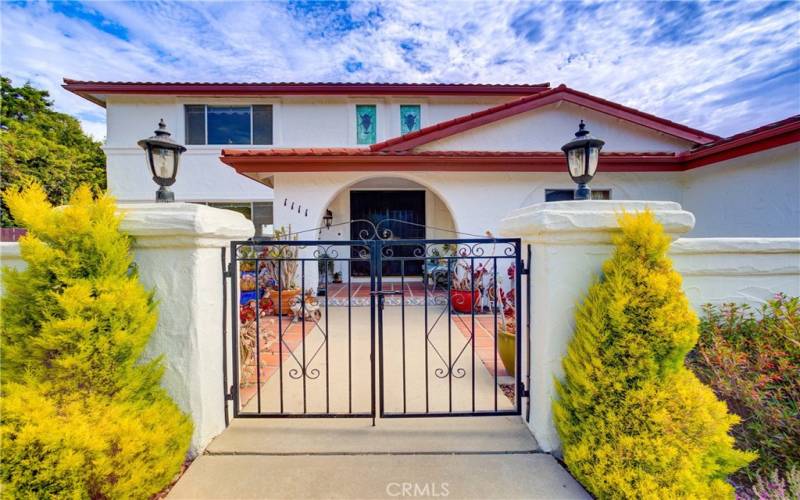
{"x":723,"y":67}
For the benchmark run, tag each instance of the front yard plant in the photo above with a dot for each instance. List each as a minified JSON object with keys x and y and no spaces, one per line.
{"x":633,"y":420}
{"x":83,"y":415}
{"x":752,"y":361}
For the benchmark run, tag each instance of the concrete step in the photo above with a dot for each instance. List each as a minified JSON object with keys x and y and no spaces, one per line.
{"x":389,"y":436}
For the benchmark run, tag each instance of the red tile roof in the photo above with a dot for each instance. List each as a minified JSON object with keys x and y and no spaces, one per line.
{"x":91,"y":89}
{"x":356,"y":159}
{"x":561,"y":93}
{"x":769,"y":136}
{"x":288,"y":152}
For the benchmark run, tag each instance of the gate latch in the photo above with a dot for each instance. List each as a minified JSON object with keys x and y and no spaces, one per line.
{"x":382,"y":293}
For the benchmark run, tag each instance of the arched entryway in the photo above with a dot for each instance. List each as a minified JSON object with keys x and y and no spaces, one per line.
{"x":407,"y":208}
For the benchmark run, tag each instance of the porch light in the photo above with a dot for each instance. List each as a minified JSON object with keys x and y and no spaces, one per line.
{"x":328,"y":219}
{"x":163,"y":155}
{"x":583,"y":154}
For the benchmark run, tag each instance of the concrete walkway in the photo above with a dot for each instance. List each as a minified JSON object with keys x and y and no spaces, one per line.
{"x":489,"y":457}
{"x":337,"y":353}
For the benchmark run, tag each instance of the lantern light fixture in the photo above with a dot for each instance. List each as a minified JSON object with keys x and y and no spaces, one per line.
{"x":163,"y":155}
{"x":582,"y":154}
{"x":328,"y":219}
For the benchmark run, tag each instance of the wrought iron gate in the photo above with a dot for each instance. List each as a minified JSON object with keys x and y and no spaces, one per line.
{"x":310,"y":340}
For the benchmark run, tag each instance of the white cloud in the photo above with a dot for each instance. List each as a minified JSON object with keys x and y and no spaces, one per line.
{"x":722,"y":67}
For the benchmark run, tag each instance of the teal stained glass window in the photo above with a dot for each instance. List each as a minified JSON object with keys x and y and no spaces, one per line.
{"x":366,"y":123}
{"x":410,"y":118}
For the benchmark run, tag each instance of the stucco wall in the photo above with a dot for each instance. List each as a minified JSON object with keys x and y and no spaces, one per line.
{"x":177,"y":253}
{"x":549,"y":127}
{"x":754,"y":195}
{"x":741,"y":270}
{"x":298,"y":121}
{"x":570,"y":242}
{"x":476,"y":200}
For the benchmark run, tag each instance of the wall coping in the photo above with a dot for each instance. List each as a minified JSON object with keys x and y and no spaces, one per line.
{"x":175,"y":225}
{"x":693,"y":246}
{"x":588,"y":221}
{"x":9,"y":250}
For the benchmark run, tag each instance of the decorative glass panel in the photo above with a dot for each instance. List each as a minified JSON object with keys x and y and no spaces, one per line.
{"x":410,"y":117}
{"x":195,"y":118}
{"x":366,"y":123}
{"x":262,"y":124}
{"x":228,"y":124}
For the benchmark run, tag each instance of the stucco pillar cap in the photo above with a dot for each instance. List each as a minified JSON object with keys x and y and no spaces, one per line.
{"x":589,"y":221}
{"x":173,"y":225}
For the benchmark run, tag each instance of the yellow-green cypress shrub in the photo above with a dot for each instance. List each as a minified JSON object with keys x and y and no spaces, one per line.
{"x":82,"y":415}
{"x":633,"y":421}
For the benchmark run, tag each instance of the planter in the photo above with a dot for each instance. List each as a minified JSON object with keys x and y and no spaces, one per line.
{"x":287,"y":297}
{"x":464,"y":301}
{"x":507,"y":346}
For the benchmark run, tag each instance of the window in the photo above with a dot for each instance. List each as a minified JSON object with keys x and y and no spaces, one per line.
{"x":410,"y":118}
{"x":260,"y":212}
{"x":228,"y":124}
{"x":366,"y":123}
{"x":569,"y":194}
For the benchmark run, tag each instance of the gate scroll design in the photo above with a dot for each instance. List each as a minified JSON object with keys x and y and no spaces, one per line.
{"x":310,"y":340}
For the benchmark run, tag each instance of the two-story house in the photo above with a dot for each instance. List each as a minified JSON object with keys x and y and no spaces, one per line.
{"x":446,"y":156}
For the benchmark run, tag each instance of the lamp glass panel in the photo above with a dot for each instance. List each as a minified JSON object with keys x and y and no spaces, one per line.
{"x":575,"y":161}
{"x":594,"y":156}
{"x":163,"y":162}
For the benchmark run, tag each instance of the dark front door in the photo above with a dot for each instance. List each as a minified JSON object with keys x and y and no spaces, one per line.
{"x":397,"y":215}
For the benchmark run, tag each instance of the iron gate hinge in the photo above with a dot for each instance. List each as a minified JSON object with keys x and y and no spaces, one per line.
{"x":229,"y":272}
{"x":525,"y":392}
{"x":229,"y":394}
{"x":526,"y":270}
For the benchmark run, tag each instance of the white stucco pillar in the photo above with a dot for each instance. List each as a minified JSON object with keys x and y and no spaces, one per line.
{"x":178,"y":254}
{"x":570,"y":240}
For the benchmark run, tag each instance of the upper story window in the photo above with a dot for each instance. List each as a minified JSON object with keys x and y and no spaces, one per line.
{"x":228,"y":124}
{"x":410,"y":118}
{"x":569,"y":194}
{"x":366,"y":124}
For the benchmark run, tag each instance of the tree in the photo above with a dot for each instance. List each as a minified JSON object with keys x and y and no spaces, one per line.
{"x":44,"y":145}
{"x":83,"y":415}
{"x":633,"y":420}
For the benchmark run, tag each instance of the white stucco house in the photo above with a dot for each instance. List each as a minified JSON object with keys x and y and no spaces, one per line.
{"x":450,"y":156}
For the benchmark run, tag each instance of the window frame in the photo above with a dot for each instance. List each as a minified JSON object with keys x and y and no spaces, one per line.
{"x":227,"y":105}
{"x":606,"y":190}
{"x":251,"y":204}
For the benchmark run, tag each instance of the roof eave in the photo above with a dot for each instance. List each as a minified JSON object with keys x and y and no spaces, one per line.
{"x":482,"y":163}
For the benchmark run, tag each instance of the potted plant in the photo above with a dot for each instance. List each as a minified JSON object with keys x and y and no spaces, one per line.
{"x":507,"y":341}
{"x":507,"y":326}
{"x":337,"y":277}
{"x":464,"y":289}
{"x":279,"y":270}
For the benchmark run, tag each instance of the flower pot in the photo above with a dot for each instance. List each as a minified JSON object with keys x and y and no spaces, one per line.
{"x":507,"y":347}
{"x":464,"y":301}
{"x":287,"y":297}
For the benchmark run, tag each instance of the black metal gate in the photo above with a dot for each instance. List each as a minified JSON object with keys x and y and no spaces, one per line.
{"x":309,"y":339}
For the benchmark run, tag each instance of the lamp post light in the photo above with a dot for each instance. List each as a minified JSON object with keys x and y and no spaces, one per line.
{"x":163,"y":155}
{"x":583,"y":154}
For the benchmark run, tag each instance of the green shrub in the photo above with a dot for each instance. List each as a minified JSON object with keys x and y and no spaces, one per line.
{"x":633,"y":421}
{"x":82,"y":415}
{"x":752,"y":361}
